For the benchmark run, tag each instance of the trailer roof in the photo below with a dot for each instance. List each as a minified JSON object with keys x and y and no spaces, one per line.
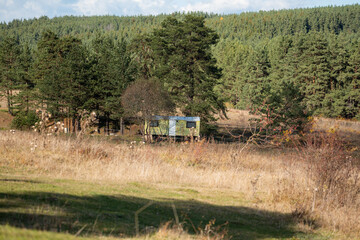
{"x":195,"y":119}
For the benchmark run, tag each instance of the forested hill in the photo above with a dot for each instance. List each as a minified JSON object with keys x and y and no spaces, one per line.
{"x":286,"y":60}
{"x":245,"y":26}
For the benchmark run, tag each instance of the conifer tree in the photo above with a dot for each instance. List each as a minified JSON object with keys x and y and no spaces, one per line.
{"x":232,"y":58}
{"x":9,"y":70}
{"x":334,"y":102}
{"x":187,"y":67}
{"x":47,"y":72}
{"x":257,"y":77}
{"x":61,"y":75}
{"x":113,"y":70}
{"x":272,"y":94}
{"x":314,"y":72}
{"x":24,"y":97}
{"x":351,"y":89}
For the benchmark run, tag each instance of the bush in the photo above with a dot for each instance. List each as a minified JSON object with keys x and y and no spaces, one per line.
{"x":24,"y":120}
{"x":333,"y":169}
{"x":280,"y":110}
{"x":208,"y":129}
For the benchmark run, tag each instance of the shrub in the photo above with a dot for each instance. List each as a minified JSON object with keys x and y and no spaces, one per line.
{"x":24,"y":120}
{"x":334,"y":173}
{"x":280,"y":109}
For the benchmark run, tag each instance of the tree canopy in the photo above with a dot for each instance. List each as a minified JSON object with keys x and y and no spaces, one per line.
{"x":304,"y":58}
{"x":184,"y":63}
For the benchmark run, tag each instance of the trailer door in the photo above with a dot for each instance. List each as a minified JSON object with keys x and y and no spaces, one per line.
{"x":172,"y":127}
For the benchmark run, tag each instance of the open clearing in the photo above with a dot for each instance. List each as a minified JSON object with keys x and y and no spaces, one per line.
{"x":63,"y":187}
{"x":60,"y":187}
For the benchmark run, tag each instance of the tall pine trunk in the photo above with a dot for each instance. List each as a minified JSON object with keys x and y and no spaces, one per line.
{"x":9,"y":102}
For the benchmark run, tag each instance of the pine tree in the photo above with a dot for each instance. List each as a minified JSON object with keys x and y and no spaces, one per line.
{"x":124,"y":75}
{"x":186,"y":66}
{"x":334,"y":102}
{"x":24,"y":97}
{"x":143,"y":56}
{"x":74,"y":73}
{"x":47,"y":73}
{"x":279,"y":52}
{"x":232,"y":56}
{"x":113,"y":70}
{"x":351,"y":79}
{"x":257,"y":78}
{"x":276,"y":97}
{"x":62,"y":73}
{"x":314,"y":72}
{"x":9,"y":70}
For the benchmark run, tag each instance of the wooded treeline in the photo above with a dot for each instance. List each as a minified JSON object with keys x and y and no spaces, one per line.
{"x":289,"y":60}
{"x":170,"y":68}
{"x":247,"y":27}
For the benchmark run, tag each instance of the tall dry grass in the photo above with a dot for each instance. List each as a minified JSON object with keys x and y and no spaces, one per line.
{"x":316,"y":181}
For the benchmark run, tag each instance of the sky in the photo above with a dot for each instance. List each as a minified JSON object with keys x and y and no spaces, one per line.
{"x":28,"y":9}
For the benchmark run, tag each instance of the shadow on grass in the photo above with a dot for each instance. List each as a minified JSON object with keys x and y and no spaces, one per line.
{"x":18,"y":180}
{"x":114,"y":215}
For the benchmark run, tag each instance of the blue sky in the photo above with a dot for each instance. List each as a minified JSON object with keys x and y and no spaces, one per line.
{"x":25,"y":9}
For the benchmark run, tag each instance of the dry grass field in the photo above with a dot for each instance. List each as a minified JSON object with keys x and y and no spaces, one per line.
{"x":315,"y":186}
{"x":305,"y":189}
{"x":240,"y":119}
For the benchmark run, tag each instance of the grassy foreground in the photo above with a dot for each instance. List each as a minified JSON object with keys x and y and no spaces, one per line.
{"x":53,"y":187}
{"x":107,"y":209}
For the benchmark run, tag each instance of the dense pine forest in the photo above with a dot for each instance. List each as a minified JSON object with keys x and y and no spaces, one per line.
{"x":292,"y":63}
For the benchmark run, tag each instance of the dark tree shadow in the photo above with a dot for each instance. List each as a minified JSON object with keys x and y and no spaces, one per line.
{"x":18,"y":180}
{"x":114,"y":215}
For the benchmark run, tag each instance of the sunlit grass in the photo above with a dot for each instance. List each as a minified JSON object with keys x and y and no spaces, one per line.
{"x":62,"y":184}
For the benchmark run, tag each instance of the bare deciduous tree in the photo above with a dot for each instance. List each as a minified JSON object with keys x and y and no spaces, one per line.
{"x":145,"y":98}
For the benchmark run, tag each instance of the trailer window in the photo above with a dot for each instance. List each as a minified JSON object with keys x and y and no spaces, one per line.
{"x":154,"y":123}
{"x":190,"y":124}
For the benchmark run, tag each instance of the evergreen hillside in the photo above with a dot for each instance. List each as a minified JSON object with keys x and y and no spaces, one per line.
{"x":300,"y":62}
{"x":245,"y":26}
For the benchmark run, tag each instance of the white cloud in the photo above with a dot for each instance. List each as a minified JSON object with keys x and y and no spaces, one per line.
{"x":235,"y":6}
{"x":34,"y":8}
{"x":216,"y":5}
{"x":119,"y":7}
{"x":22,"y":9}
{"x":7,"y":2}
{"x":151,"y":6}
{"x":92,"y":7}
{"x":145,"y":4}
{"x":274,"y":4}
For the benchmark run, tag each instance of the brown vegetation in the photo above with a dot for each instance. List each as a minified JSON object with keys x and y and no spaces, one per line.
{"x":317,"y":181}
{"x":5,"y":120}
